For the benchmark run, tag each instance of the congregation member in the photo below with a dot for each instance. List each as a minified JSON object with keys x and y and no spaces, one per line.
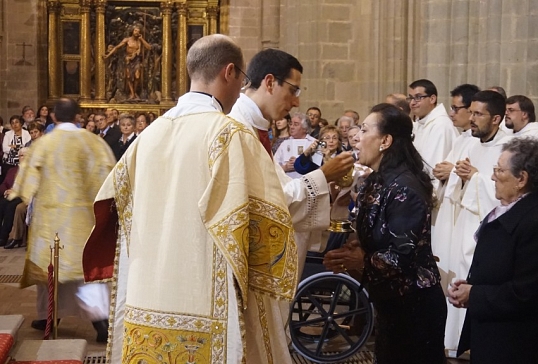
{"x":299,"y":140}
{"x":500,"y":292}
{"x":351,"y":133}
{"x":449,"y":197}
{"x":107,"y":130}
{"x":354,"y":115}
{"x":141,"y":122}
{"x":90,"y":126}
{"x":332,"y":138}
{"x":393,"y":255}
{"x":43,"y":116}
{"x":28,"y":116}
{"x":36,"y":131}
{"x":63,"y":182}
{"x":13,"y":141}
{"x":478,"y":193}
{"x":128,"y":136}
{"x":344,"y":123}
{"x":218,"y":201}
{"x":400,"y":101}
{"x":520,"y":116}
{"x":281,"y":132}
{"x":7,"y":206}
{"x":433,"y":129}
{"x":314,"y":114}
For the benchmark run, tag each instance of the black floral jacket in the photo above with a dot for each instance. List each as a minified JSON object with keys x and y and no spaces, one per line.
{"x":394,"y":227}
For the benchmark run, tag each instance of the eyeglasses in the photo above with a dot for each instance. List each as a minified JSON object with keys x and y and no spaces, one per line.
{"x":246,"y":80}
{"x":476,"y":114}
{"x":296,"y":89}
{"x":455,"y":108}
{"x":329,"y":137}
{"x":416,"y":98}
{"x":497,"y":170}
{"x":510,"y":110}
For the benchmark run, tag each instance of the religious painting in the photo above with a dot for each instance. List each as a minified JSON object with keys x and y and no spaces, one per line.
{"x":71,"y":37}
{"x":133,"y":54}
{"x":71,"y":77}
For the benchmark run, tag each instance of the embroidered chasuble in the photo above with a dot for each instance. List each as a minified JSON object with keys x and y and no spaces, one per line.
{"x":64,"y":179}
{"x":205,"y":254}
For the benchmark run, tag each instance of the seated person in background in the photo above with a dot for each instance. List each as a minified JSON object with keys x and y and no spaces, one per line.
{"x":293,"y":147}
{"x":142,"y":122}
{"x":18,"y":234}
{"x":90,"y":126}
{"x":281,"y":132}
{"x":7,"y":207}
{"x":344,"y":123}
{"x":36,"y":130}
{"x":333,"y":139}
{"x":127,"y":127}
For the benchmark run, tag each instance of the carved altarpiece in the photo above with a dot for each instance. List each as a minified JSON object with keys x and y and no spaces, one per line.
{"x":149,"y":76}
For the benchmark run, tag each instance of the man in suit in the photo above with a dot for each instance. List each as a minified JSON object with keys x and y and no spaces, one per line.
{"x":107,"y":131}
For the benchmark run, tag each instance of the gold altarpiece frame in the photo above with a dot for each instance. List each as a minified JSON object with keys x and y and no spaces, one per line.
{"x":146,"y":74}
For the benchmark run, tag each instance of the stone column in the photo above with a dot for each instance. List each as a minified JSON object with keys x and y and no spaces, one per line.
{"x":166,"y":65}
{"x":100,"y":86}
{"x":181,"y":51}
{"x":85,"y":57}
{"x":212,"y":13}
{"x":271,"y":24}
{"x":54,"y":51}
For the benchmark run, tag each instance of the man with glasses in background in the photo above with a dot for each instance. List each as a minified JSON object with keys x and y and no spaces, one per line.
{"x":520,"y":116}
{"x":433,"y":130}
{"x":478,"y":194}
{"x":449,"y":197}
{"x":314,"y":114}
{"x":274,"y":91}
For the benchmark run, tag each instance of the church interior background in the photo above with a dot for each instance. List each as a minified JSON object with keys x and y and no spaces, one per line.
{"x":354,"y":52}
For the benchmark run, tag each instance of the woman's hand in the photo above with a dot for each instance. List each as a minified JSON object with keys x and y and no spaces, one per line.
{"x":311,"y":148}
{"x":458,"y":293}
{"x":349,"y":257}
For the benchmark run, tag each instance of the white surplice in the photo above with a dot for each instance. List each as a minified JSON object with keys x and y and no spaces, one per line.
{"x":434,"y":136}
{"x":529,"y":130}
{"x":307,"y":197}
{"x":477,"y":200}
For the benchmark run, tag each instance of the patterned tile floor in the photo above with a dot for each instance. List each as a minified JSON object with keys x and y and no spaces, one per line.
{"x":14,"y":300}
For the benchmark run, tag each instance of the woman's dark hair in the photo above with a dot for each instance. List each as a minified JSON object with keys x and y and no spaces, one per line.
{"x":15,"y":117}
{"x":393,"y":121}
{"x":524,"y":158}
{"x":48,"y":119}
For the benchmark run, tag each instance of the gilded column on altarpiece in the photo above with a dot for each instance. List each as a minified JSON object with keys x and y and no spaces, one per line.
{"x":53,"y":7}
{"x":166,"y":87}
{"x":100,"y":87}
{"x":212,"y":13}
{"x":86,"y":55}
{"x":181,"y":51}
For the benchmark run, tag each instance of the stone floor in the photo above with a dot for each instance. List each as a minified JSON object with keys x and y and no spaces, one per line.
{"x":14,"y":300}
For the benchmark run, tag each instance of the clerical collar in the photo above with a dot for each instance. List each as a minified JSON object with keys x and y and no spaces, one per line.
{"x":205,"y":93}
{"x":490,"y":139}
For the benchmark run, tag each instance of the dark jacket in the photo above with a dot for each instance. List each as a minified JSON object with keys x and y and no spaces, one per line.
{"x":393,"y":227}
{"x":112,"y":136}
{"x":501,"y":324}
{"x":119,"y":148}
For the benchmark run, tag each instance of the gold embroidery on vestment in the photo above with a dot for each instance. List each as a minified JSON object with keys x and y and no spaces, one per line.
{"x":124,"y":199}
{"x":262,"y":314}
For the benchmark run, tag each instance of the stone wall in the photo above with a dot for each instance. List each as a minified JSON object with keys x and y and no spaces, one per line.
{"x":22,"y":65}
{"x":354,"y":51}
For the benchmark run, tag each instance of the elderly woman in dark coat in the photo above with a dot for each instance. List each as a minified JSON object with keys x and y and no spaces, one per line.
{"x":393,"y":255}
{"x":501,"y":290}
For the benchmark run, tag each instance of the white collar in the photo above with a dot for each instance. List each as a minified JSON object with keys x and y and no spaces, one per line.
{"x":439,"y":110}
{"x":66,"y":126}
{"x":194,"y":102}
{"x":250,"y":113}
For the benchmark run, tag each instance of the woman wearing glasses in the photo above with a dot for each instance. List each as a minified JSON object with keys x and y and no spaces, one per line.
{"x":501,"y":289}
{"x":332,"y":138}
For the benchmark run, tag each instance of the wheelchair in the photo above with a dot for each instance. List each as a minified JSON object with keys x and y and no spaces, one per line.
{"x":331,"y":316}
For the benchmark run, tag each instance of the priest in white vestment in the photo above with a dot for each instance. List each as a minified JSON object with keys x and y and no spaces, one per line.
{"x":520,"y":116}
{"x":449,"y":195}
{"x":206,"y":248}
{"x":478,"y":194}
{"x":434,"y":132}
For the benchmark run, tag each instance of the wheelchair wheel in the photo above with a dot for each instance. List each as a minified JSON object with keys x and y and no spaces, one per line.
{"x":331,"y":317}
